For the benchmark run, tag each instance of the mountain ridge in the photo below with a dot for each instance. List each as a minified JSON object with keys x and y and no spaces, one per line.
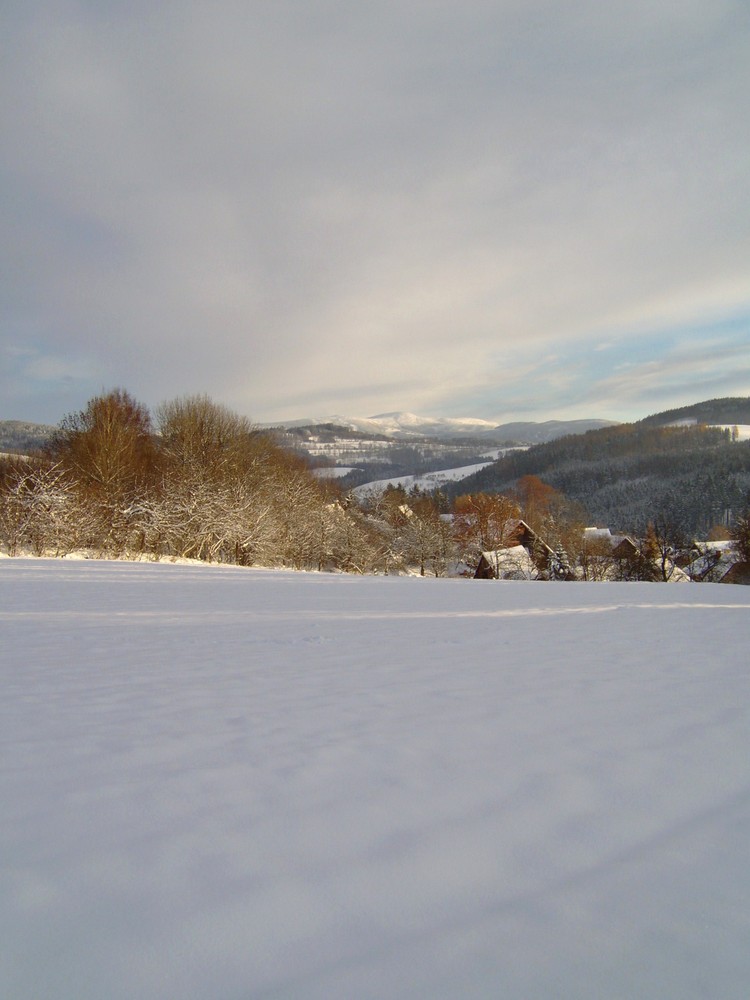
{"x":403,"y":425}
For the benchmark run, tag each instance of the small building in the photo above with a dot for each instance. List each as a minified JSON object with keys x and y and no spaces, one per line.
{"x":711,"y":561}
{"x":526,"y":556}
{"x":620,"y":546}
{"x":512,"y":563}
{"x":738,"y":573}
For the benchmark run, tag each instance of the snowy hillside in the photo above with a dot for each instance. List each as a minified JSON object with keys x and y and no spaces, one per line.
{"x":232,"y":784}
{"x":427,"y":482}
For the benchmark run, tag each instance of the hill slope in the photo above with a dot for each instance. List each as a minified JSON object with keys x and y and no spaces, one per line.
{"x":665,"y":465}
{"x":23,"y":436}
{"x":727,"y":410}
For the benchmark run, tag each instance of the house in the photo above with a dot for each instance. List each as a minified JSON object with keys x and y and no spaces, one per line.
{"x":620,"y":546}
{"x":738,"y":573}
{"x":525,"y":556}
{"x":512,"y":563}
{"x":718,"y":562}
{"x":607,"y":555}
{"x":712,"y":562}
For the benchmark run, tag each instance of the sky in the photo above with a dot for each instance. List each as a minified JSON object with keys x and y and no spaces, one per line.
{"x":503,"y":209}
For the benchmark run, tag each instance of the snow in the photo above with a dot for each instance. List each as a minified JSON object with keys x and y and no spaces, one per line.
{"x":238,"y":784}
{"x":426,"y":482}
{"x":743,"y":430}
{"x":333,"y":472}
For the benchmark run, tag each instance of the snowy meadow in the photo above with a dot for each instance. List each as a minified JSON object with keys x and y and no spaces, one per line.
{"x":242,"y":784}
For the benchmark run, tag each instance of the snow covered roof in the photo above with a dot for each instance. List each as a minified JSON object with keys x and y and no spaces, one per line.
{"x":714,"y":561}
{"x":597,"y":533}
{"x":605,"y":534}
{"x":513,"y":563}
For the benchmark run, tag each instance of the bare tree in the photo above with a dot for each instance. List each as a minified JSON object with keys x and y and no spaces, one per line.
{"x":536,"y":499}
{"x":595,"y":559}
{"x":661,"y":545}
{"x":108,"y":445}
{"x":107,"y":450}
{"x":195,"y":432}
{"x":426,"y":539}
{"x":483,"y":522}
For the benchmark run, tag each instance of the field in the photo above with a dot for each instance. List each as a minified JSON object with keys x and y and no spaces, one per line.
{"x":234,"y":784}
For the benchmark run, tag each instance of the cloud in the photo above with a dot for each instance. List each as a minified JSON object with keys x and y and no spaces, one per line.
{"x":276,"y":204}
{"x":689,"y":364}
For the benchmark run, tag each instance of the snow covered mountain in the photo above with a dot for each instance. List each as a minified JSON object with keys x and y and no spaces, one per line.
{"x":405,"y":425}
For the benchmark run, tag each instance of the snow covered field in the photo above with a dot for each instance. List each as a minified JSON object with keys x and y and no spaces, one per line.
{"x":428,"y":481}
{"x":226,"y":784}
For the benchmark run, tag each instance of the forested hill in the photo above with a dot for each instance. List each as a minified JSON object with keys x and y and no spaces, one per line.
{"x":671,"y":465}
{"x":23,"y":436}
{"x":727,"y":410}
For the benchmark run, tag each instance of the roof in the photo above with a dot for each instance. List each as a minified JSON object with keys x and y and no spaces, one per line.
{"x":513,"y":563}
{"x":714,"y":561}
{"x":739,"y":573}
{"x":605,"y":535}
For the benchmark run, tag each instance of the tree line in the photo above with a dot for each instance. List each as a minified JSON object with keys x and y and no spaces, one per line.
{"x":196,"y":480}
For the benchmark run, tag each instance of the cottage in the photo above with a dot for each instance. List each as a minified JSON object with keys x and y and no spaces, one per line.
{"x":738,"y":573}
{"x":620,"y":546}
{"x":526,"y":556}
{"x":711,"y":561}
{"x":512,"y":563}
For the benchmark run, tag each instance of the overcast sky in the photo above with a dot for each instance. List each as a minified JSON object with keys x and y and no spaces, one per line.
{"x":493,"y":208}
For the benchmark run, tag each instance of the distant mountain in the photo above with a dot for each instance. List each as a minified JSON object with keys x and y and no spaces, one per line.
{"x":22,"y":436}
{"x":403,"y":445}
{"x":408,"y":426}
{"x":529,"y":432}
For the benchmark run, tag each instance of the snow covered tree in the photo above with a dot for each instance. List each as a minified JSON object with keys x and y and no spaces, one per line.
{"x":41,"y":509}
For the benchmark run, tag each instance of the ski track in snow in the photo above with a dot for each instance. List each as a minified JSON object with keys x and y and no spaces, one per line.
{"x":249,"y":615}
{"x":240,"y":784}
